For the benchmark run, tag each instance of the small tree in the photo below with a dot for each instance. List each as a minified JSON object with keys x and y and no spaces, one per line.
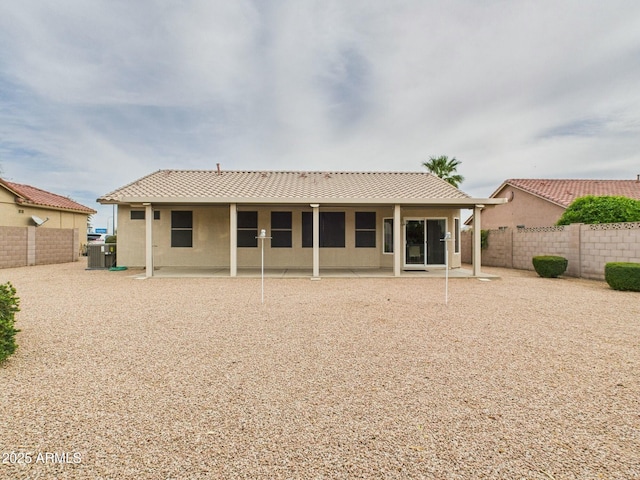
{"x":605,"y":209}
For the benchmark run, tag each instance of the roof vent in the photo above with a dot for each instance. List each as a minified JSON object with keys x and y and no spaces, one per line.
{"x":219,"y":170}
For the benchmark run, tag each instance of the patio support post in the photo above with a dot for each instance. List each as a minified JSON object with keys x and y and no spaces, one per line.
{"x":316,"y":240}
{"x":148,"y":263}
{"x":477,"y":245}
{"x":397,"y":249}
{"x":233,"y":240}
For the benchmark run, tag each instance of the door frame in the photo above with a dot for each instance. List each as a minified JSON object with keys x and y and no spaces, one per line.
{"x":424,"y":265}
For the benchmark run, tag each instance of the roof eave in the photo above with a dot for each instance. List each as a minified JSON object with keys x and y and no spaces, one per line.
{"x":449,"y":202}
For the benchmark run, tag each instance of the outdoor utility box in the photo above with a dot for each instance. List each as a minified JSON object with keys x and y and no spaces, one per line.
{"x":101,"y":255}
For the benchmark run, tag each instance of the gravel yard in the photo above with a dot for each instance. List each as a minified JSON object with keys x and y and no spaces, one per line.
{"x":194,"y":378}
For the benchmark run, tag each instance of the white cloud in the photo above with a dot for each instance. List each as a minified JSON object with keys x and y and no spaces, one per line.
{"x":96,"y":94}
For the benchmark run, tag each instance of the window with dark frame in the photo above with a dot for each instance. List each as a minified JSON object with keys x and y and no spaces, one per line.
{"x":140,"y":215}
{"x":332,"y":229}
{"x":365,"y":229}
{"x":456,"y":240}
{"x":387,"y":225}
{"x":281,"y":230}
{"x":247,"y":229}
{"x":181,"y":228}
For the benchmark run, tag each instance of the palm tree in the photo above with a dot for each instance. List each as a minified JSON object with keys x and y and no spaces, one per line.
{"x":445,"y":168}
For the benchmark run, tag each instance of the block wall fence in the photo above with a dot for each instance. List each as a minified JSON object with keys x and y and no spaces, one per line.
{"x":24,"y":246}
{"x":587,"y":247}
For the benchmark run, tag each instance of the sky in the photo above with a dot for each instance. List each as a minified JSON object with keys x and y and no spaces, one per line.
{"x":95,"y":94}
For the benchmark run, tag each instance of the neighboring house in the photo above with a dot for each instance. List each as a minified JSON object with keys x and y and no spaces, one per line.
{"x":24,"y":206}
{"x":315,"y":220}
{"x":541,"y":202}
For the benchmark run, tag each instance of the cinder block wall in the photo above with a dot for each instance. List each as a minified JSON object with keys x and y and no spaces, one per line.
{"x":531,"y":242}
{"x":610,"y":242}
{"x":22,"y":246}
{"x":13,"y":247}
{"x":587,"y":247}
{"x":54,"y":245}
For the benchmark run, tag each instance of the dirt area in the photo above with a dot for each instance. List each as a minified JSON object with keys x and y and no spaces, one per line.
{"x":192,"y":378}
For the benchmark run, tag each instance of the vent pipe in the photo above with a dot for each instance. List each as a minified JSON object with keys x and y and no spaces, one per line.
{"x":219,"y":171}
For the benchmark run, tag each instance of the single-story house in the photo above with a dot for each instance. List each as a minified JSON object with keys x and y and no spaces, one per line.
{"x":314,"y":220}
{"x":534,"y":202}
{"x":24,"y":206}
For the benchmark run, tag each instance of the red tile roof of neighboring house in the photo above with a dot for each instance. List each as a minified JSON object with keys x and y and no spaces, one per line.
{"x":28,"y":195}
{"x":564,"y":192}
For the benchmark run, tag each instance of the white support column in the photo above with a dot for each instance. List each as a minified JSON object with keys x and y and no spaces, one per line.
{"x":316,"y":240}
{"x":148,"y":216}
{"x":397,"y":248}
{"x":233,"y":240}
{"x":477,"y":245}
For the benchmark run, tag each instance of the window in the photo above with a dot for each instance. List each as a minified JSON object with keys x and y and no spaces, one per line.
{"x":281,"y":230}
{"x":332,"y":230}
{"x":247,"y":229}
{"x":456,"y":240}
{"x":181,"y":228}
{"x":139,"y":215}
{"x":387,"y":227}
{"x":365,"y":229}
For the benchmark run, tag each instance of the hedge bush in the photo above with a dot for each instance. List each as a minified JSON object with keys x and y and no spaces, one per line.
{"x":550,"y":266}
{"x":9,"y":305}
{"x":623,"y":275}
{"x":606,"y":209}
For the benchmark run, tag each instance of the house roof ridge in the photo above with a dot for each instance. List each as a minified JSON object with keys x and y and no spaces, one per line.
{"x":209,"y":170}
{"x":49,"y":199}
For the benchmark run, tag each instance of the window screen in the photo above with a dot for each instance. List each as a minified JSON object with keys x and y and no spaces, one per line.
{"x":181,"y":228}
{"x":281,"y":230}
{"x":247,"y":229}
{"x":365,"y":229}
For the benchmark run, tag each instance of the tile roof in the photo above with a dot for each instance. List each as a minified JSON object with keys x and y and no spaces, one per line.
{"x":28,"y":195}
{"x":564,"y":192}
{"x":283,"y":187}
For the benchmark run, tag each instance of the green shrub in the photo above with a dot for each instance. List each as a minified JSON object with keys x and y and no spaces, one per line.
{"x":623,"y":275}
{"x":605,"y":209}
{"x":9,"y":305}
{"x":484,"y":239}
{"x":550,"y":266}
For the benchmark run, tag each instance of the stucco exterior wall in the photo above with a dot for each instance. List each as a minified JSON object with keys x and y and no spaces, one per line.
{"x":521,"y":209}
{"x":211,"y":239}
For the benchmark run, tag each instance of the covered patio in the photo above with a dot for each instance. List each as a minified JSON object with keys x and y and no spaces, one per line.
{"x":208,"y":272}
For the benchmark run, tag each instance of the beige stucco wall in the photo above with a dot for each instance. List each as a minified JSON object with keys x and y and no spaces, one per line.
{"x":211,"y":239}
{"x":521,"y":209}
{"x":15,"y":215}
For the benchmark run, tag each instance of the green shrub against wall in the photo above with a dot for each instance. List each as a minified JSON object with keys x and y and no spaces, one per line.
{"x":550,"y":266}
{"x":604,"y":209}
{"x":623,"y":275}
{"x":9,"y":305}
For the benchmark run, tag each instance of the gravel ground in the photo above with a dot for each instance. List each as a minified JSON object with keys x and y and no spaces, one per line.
{"x":517,"y":378}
